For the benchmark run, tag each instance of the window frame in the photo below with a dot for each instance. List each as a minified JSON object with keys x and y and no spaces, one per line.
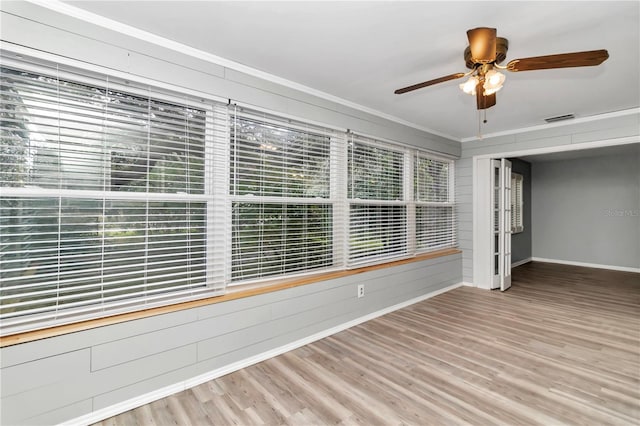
{"x":517,"y":203}
{"x":449,"y":240}
{"x":399,"y":248}
{"x":217,"y":190}
{"x":104,"y":81}
{"x":286,"y":123}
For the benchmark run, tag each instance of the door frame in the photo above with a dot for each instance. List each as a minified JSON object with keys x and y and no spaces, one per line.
{"x":482,"y":256}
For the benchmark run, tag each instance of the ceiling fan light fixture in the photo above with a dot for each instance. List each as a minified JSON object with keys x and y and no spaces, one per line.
{"x":483,"y":56}
{"x":493,"y":81}
{"x":469,"y":86}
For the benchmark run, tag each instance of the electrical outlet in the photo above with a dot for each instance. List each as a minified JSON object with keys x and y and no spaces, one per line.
{"x":360,"y":290}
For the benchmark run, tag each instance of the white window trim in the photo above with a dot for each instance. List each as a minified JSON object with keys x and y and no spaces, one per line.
{"x":517,"y":191}
{"x":217,"y":169}
{"x":373,"y":259}
{"x":276,"y":119}
{"x":211,"y":286}
{"x":449,"y":203}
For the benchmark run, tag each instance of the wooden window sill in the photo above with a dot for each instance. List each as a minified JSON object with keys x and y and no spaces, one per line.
{"x":239,"y":293}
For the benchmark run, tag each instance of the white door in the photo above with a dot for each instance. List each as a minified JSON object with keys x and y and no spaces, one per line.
{"x":501,"y":224}
{"x":505,"y":225}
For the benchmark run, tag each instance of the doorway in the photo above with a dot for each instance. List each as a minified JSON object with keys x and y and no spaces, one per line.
{"x":491,"y":242}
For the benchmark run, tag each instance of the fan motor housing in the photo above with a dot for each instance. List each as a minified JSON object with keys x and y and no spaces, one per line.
{"x":502,"y":45}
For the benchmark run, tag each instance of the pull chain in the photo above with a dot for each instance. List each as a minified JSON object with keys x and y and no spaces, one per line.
{"x":481,"y":121}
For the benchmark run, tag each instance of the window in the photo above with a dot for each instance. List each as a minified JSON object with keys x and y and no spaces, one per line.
{"x":104,"y":197}
{"x":435,"y":208}
{"x":281,"y":207}
{"x":517,"y":224}
{"x":116,"y":197}
{"x":377,"y":206}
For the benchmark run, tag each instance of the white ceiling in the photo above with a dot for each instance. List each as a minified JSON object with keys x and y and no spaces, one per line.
{"x":363,"y":51}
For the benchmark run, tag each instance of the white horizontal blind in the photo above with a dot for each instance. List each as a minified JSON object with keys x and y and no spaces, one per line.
{"x":103,"y":198}
{"x":516,"y":203}
{"x":435,"y":207}
{"x":282,"y":211}
{"x":377,"y":209}
{"x":116,"y":198}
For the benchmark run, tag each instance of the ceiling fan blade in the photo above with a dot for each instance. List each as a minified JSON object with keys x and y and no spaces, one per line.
{"x":429,"y":83}
{"x":564,"y":60}
{"x":482,"y":42}
{"x":482,"y":101}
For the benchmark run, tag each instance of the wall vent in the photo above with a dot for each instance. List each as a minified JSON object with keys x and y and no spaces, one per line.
{"x":559,"y":118}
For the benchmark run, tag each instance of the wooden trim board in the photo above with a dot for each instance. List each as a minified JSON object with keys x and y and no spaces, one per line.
{"x":29,"y":336}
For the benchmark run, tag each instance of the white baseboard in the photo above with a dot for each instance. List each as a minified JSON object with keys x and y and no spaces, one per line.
{"x":587,"y":265}
{"x":149,"y":397}
{"x":466,"y":284}
{"x":521,"y":262}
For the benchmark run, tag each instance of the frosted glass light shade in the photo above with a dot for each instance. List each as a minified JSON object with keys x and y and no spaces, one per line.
{"x":493,"y":81}
{"x":469,"y":86}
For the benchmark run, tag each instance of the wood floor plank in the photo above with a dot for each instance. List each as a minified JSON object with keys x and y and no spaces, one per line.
{"x":562,"y":346}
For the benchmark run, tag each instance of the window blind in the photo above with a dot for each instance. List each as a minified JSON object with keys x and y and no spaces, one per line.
{"x":435,"y":207}
{"x":377,"y":206}
{"x":116,"y":197}
{"x":103,"y":200}
{"x":281,"y":195}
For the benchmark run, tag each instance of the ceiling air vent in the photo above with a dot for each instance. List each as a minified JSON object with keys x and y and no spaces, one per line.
{"x":559,"y":118}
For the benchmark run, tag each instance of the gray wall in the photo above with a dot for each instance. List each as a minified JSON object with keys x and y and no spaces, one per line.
{"x":521,"y":242}
{"x":611,"y":128}
{"x":57,"y":379}
{"x":60,"y":378}
{"x":588,"y":210}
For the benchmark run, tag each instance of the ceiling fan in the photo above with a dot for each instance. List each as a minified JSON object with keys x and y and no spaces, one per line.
{"x":483,"y":57}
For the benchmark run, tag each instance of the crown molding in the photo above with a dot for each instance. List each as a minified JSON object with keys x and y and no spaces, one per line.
{"x":578,"y":120}
{"x":128,"y":30}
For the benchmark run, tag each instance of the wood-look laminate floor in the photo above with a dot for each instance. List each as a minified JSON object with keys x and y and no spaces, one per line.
{"x":562,"y":346}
